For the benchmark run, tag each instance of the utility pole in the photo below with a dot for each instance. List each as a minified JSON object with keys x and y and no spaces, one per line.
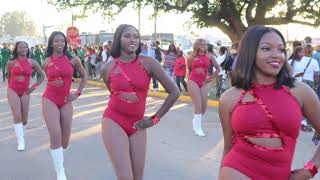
{"x":155,"y":23}
{"x":139,"y":14}
{"x":72,"y":19}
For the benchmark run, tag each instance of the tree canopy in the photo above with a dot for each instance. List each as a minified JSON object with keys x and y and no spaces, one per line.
{"x":16,"y":24}
{"x":233,"y":17}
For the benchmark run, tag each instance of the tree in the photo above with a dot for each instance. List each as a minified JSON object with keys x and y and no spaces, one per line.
{"x":17,"y":23}
{"x":233,"y":17}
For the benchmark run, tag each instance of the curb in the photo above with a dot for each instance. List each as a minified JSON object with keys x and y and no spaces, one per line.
{"x":211,"y":103}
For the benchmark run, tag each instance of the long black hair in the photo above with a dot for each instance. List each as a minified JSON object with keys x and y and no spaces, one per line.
{"x":116,"y":46}
{"x":15,"y":50}
{"x":246,"y":59}
{"x":174,"y":49}
{"x":50,"y":47}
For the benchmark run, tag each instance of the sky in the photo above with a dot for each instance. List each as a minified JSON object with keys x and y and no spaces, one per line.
{"x":45,"y":14}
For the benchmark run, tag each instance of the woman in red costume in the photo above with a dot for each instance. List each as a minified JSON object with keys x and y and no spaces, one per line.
{"x":261,"y":113}
{"x":127,"y":76}
{"x":19,"y":71}
{"x":57,"y":100}
{"x":198,"y":66}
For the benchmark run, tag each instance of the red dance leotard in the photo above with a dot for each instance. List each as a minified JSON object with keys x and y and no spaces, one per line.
{"x":58,"y":68}
{"x":127,"y":78}
{"x":20,"y":68}
{"x":199,"y":77}
{"x":274,"y":113}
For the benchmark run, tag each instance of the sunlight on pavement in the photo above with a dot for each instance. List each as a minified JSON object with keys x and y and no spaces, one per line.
{"x":214,"y":152}
{"x":93,"y":95}
{"x":88,"y":105}
{"x":29,"y":131}
{"x":90,"y":111}
{"x":11,"y":125}
{"x":178,"y":106}
{"x":74,"y":137}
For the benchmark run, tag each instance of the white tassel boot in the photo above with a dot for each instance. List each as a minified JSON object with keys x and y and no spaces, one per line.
{"x":198,"y":125}
{"x":57,"y":158}
{"x":18,"y":128}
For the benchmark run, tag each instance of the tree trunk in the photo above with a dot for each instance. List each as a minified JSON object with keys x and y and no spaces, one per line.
{"x":233,"y":36}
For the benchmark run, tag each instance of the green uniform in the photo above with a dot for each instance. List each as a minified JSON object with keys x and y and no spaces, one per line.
{"x":38,"y":56}
{"x":32,"y":55}
{"x":0,"y":58}
{"x":81,"y":56}
{"x":5,"y":53}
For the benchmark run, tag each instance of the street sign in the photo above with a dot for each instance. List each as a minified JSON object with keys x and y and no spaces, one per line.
{"x":76,"y":41}
{"x":73,"y":32}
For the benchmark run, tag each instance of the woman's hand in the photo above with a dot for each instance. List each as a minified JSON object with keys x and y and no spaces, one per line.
{"x":70,"y":98}
{"x":300,"y":174}
{"x":209,"y":79}
{"x":146,"y":122}
{"x":29,"y":91}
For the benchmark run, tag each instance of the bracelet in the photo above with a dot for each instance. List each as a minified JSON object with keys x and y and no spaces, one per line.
{"x":155,"y":119}
{"x":311,"y":167}
{"x":78,"y":93}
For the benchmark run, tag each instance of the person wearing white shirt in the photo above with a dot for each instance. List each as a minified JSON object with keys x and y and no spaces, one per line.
{"x":311,"y":75}
{"x":315,"y":83}
{"x":298,"y":66}
{"x":305,"y":69}
{"x":222,"y":73}
{"x":104,"y":53}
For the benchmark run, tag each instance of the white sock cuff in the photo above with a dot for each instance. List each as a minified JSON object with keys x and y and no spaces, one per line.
{"x":58,"y":150}
{"x":18,"y":125}
{"x":197,"y":116}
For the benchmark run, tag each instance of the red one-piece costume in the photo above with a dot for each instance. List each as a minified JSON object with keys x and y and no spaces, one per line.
{"x":196,"y":75}
{"x":20,"y":68}
{"x":274,"y":113}
{"x":127,"y":78}
{"x":58,"y":68}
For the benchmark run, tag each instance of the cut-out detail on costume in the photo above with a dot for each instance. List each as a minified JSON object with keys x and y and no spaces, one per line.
{"x":20,"y":68}
{"x":133,"y":80}
{"x":274,"y":114}
{"x":58,"y":69}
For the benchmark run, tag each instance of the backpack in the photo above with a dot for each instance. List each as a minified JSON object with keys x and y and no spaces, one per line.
{"x":227,"y":63}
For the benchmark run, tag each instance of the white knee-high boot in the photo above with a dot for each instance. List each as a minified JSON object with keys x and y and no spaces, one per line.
{"x":197,"y":125}
{"x":18,"y":128}
{"x":57,"y":158}
{"x":194,"y":123}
